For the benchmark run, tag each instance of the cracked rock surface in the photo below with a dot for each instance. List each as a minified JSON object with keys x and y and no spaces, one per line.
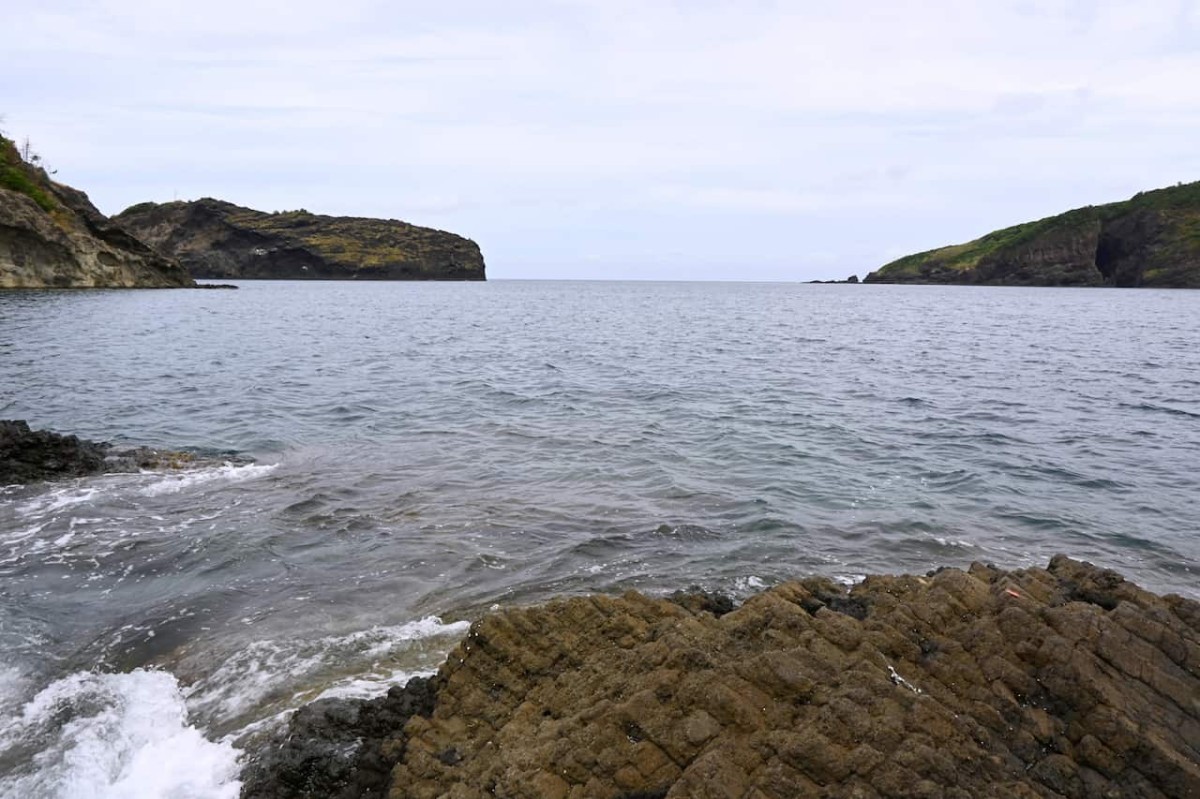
{"x":1061,"y":682}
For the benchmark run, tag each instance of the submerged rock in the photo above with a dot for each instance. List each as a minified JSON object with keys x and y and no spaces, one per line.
{"x":28,"y":456}
{"x":1059,"y":682}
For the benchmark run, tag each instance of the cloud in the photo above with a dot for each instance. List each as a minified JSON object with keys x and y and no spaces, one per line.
{"x":553,"y":131}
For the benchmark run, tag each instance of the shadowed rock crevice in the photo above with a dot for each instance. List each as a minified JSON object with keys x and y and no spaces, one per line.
{"x":1060,"y":682}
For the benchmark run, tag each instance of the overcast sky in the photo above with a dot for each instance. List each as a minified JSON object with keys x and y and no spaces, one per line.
{"x":610,"y":139}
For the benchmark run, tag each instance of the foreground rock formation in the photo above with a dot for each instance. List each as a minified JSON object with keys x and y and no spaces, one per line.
{"x":51,"y":236}
{"x":1059,"y":682}
{"x":216,"y":239}
{"x":1151,"y":240}
{"x":29,"y":456}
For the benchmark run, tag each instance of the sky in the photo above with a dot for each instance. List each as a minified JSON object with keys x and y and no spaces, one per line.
{"x":609,"y":139}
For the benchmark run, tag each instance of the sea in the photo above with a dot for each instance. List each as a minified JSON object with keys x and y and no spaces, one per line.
{"x":425,"y":453}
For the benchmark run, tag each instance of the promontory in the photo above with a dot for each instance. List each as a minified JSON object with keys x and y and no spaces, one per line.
{"x":1151,"y":240}
{"x":217,"y":239}
{"x":51,"y":236}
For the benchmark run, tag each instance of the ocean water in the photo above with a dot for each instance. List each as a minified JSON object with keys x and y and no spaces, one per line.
{"x":426,"y":452}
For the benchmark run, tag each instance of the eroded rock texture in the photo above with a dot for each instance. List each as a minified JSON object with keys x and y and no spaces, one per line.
{"x":51,"y":236}
{"x":1059,"y":682}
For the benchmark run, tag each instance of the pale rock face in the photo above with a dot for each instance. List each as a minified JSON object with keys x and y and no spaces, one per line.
{"x":75,"y":246}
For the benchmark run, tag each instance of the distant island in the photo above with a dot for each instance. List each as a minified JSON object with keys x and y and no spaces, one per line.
{"x":216,"y":239}
{"x":51,"y":236}
{"x":1151,"y":240}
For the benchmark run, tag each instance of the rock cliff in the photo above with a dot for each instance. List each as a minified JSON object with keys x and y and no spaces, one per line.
{"x":51,"y":236}
{"x":1151,"y":240}
{"x":216,"y":239}
{"x":1058,"y":682}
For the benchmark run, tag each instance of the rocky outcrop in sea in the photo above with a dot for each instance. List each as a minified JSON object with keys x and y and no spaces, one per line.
{"x":216,"y":239}
{"x":51,"y":236}
{"x":29,"y":456}
{"x":1067,"y":681}
{"x":1151,"y":240}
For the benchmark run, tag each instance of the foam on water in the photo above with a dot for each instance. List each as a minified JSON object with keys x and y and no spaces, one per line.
{"x":270,"y":673}
{"x":174,"y":483}
{"x":116,"y":736}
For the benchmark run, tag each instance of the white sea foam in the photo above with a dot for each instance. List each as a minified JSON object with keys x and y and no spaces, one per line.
{"x":58,"y":498}
{"x":267,"y":673}
{"x":110,"y":736}
{"x":174,"y":483}
{"x":749,"y":584}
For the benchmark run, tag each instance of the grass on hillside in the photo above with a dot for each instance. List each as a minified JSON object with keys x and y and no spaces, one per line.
{"x":15,"y":176}
{"x":964,"y":257}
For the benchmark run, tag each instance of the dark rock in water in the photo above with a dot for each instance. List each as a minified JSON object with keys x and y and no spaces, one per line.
{"x":51,"y":236}
{"x":698,"y":600}
{"x":1059,"y":682}
{"x":28,"y":456}
{"x":216,"y":239}
{"x":338,"y":748}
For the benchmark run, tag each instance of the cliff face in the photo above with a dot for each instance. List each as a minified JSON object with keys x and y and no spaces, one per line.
{"x":1058,"y":682}
{"x":216,"y":239}
{"x":51,"y":236}
{"x":1152,"y":240}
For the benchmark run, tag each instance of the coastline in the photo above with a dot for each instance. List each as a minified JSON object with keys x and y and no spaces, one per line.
{"x":1063,"y":681}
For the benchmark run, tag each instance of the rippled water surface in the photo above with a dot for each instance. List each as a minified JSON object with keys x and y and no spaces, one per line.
{"x":427,"y":451}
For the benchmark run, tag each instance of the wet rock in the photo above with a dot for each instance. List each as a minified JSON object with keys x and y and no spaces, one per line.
{"x":28,"y":456}
{"x":339,"y":748}
{"x":1067,"y":681}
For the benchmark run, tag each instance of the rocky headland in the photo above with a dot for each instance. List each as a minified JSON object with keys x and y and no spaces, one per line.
{"x":216,"y":239}
{"x":1067,"y":681}
{"x":51,"y":236}
{"x":29,"y":456}
{"x":1151,"y":240}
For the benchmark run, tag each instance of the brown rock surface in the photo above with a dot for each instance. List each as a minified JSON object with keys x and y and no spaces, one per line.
{"x":51,"y":236}
{"x":1059,"y":682}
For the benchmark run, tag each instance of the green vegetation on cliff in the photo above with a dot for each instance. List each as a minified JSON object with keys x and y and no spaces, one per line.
{"x":1152,"y":239}
{"x":16,"y":175}
{"x":51,"y":236}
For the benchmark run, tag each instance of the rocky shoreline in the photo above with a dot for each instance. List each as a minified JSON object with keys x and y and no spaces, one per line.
{"x":28,"y":456}
{"x":1067,"y":681}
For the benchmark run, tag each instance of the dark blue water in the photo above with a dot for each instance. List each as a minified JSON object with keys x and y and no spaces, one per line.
{"x":427,"y":451}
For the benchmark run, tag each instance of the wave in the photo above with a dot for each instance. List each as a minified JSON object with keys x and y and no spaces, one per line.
{"x":174,"y":483}
{"x":276,"y":675}
{"x":116,"y":736}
